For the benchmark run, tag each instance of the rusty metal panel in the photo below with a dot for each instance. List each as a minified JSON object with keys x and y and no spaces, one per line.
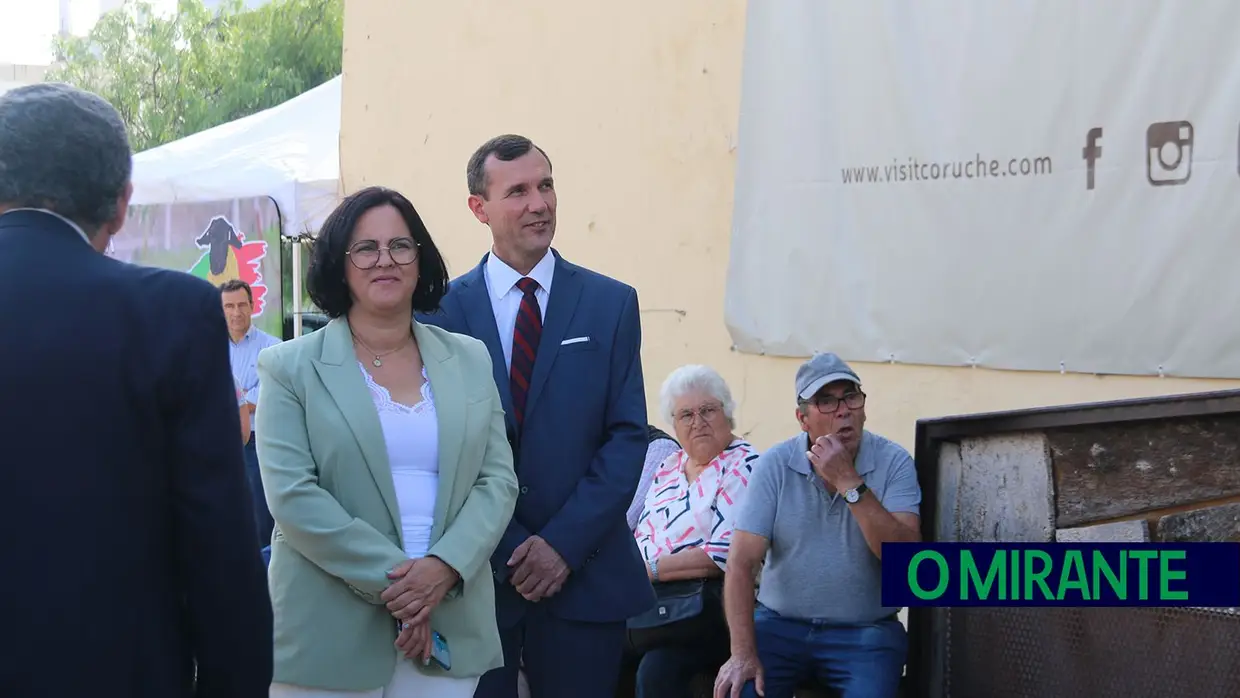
{"x":1070,"y":652}
{"x":1105,"y":471}
{"x":1092,"y":653}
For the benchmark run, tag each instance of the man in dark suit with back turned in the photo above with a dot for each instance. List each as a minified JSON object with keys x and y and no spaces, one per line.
{"x":565,"y":344}
{"x":128,"y":545}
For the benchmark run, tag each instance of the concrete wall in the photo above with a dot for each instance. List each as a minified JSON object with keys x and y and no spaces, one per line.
{"x":637,"y":105}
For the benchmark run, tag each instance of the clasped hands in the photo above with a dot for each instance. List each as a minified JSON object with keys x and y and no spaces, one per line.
{"x":420,"y":585}
{"x":417,"y":588}
{"x":833,"y":462}
{"x":538,"y":571}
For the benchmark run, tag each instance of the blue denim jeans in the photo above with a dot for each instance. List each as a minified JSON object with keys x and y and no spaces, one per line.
{"x":857,"y":661}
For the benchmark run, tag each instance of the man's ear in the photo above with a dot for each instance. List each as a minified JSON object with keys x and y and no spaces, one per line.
{"x":114,"y":226}
{"x":801,"y":419}
{"x":122,"y":206}
{"x":476,"y":204}
{"x":104,"y":235}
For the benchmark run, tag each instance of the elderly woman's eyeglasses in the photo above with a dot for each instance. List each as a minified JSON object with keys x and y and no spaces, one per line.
{"x":366,"y":253}
{"x":706,"y":412}
{"x":829,"y":403}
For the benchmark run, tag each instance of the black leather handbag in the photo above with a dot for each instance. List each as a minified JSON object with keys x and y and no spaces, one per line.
{"x":687,"y":612}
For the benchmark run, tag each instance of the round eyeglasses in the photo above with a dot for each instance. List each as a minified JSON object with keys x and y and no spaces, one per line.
{"x":366,"y":254}
{"x":706,"y":412}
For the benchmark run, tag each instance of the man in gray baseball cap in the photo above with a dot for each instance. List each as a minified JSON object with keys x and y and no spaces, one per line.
{"x":821,"y":370}
{"x":821,"y":504}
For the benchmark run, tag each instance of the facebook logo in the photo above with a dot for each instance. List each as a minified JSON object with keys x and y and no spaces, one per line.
{"x":1091,"y":152}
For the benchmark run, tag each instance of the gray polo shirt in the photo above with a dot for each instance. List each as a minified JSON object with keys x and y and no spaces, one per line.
{"x":818,"y":566}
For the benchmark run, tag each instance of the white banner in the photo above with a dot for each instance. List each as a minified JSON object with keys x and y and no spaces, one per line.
{"x":1018,"y":184}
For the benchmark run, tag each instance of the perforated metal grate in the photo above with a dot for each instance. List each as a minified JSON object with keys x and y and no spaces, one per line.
{"x":1092,"y":653}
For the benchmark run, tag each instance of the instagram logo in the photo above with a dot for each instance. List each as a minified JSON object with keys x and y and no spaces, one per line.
{"x":1091,"y":152}
{"x":1169,"y":150}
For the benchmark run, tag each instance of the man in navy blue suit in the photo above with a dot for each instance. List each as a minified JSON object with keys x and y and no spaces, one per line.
{"x":128,"y":548}
{"x":566,"y":347}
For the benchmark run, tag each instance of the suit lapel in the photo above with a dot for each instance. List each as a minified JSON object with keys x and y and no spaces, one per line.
{"x":480,"y":318}
{"x":444,"y":371}
{"x":565,"y":292}
{"x":338,"y":370}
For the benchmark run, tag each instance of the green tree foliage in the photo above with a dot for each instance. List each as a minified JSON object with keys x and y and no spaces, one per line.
{"x":175,"y":75}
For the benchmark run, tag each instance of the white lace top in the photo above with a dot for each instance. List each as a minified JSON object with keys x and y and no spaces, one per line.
{"x":411,"y":434}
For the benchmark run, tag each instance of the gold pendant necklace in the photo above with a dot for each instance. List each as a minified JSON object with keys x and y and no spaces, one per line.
{"x":377,"y":362}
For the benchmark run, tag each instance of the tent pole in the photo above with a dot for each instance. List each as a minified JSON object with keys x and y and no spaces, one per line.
{"x":297,"y":286}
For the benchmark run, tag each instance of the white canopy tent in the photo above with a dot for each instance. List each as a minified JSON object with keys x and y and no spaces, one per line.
{"x":290,"y":152}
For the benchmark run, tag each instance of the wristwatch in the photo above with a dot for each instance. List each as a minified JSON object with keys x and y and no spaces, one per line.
{"x":654,"y":570}
{"x":854,"y":495}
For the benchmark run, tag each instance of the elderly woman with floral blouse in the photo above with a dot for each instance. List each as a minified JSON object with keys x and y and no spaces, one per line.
{"x":685,"y":526}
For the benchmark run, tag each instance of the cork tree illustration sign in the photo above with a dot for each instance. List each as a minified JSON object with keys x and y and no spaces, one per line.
{"x":227,"y":256}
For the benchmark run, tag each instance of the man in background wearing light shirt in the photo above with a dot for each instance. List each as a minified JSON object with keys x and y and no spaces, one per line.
{"x":247,"y":342}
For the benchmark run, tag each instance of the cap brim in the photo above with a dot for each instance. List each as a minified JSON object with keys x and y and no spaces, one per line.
{"x":826,"y":380}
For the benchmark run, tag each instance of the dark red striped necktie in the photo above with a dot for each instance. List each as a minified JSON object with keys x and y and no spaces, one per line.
{"x":525,"y":338}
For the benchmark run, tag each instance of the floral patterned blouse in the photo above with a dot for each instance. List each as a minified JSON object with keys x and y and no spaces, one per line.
{"x":678,"y":515}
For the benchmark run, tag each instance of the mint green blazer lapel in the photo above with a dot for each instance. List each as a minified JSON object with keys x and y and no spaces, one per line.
{"x":447,"y":385}
{"x":337,"y":368}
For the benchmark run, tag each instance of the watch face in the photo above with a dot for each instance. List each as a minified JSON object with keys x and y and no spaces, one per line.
{"x":853,"y":496}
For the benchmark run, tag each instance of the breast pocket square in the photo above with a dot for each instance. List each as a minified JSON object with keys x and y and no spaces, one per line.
{"x":574,"y":340}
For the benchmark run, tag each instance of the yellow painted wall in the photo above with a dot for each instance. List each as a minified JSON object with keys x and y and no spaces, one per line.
{"x":637,"y":104}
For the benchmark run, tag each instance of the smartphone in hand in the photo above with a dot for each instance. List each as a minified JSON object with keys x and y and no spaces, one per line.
{"x":439,"y":651}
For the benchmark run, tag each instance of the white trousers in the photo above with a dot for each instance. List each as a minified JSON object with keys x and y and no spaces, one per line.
{"x":407,"y":682}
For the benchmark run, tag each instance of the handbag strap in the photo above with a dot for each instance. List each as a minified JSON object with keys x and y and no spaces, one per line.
{"x":679,"y":587}
{"x":688,"y":587}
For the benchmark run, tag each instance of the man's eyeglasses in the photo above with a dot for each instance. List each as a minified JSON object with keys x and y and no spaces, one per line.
{"x":830,"y":403}
{"x":706,"y":412}
{"x":366,"y":254}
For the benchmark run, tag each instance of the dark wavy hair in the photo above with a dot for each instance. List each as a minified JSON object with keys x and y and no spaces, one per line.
{"x":325,"y":280}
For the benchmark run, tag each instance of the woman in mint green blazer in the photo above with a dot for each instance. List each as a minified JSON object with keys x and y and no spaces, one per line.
{"x":388,"y":472}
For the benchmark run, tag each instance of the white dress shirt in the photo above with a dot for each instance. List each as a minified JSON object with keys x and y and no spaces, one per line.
{"x":243,"y":356}
{"x":506,"y":297}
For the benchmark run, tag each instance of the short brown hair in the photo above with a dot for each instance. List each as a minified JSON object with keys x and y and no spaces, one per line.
{"x":237,"y":285}
{"x":505,"y":148}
